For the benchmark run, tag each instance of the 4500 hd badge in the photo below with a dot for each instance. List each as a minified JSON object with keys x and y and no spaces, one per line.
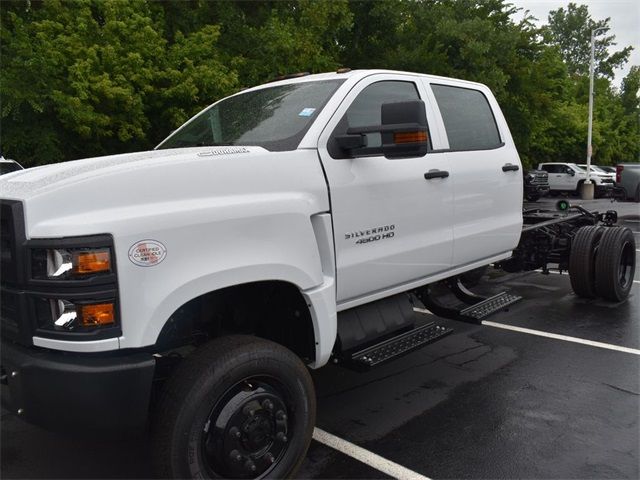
{"x":371,"y":234}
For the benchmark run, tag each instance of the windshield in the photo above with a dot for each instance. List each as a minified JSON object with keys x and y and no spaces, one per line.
{"x":593,"y":168}
{"x":274,"y":118}
{"x":8,"y":167}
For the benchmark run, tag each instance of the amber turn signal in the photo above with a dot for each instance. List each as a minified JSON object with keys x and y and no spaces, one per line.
{"x":97,"y":314}
{"x":94,"y":261}
{"x":409,"y":137}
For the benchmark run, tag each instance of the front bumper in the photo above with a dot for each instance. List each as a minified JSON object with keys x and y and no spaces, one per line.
{"x":71,"y":392}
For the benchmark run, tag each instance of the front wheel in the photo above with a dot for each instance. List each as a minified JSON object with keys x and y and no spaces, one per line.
{"x":239,"y":407}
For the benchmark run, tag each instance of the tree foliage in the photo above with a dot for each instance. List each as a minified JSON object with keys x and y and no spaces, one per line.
{"x":88,"y":77}
{"x":570,"y":30}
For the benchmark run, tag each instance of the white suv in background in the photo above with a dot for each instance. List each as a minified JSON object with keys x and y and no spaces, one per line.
{"x":607,"y":177}
{"x":569,"y":177}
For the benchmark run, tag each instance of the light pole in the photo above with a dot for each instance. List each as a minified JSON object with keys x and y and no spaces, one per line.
{"x":588,"y":187}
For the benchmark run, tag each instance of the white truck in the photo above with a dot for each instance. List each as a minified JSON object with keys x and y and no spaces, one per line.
{"x":569,"y":177}
{"x":294,"y":223}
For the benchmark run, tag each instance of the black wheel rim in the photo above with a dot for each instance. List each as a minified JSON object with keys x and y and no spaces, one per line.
{"x":627,"y":265}
{"x":247,"y":431}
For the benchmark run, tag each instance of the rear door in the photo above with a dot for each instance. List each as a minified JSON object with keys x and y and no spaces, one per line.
{"x":392,"y":225}
{"x":485,"y":172}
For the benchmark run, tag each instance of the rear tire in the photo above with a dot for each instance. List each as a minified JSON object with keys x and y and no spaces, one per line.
{"x":582,"y":261}
{"x":238,"y":407}
{"x":615,"y":264}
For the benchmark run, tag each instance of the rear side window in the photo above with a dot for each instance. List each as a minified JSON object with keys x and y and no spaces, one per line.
{"x":467,"y":117}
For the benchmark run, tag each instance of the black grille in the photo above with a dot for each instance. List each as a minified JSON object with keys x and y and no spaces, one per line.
{"x":6,"y":240}
{"x":540,"y":178}
{"x":8,"y":314}
{"x":11,"y":238}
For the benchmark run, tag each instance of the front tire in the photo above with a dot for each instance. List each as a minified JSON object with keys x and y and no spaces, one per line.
{"x":239,"y":407}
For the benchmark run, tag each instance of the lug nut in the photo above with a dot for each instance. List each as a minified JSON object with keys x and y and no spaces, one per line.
{"x":235,"y":432}
{"x":269,"y":457}
{"x":281,"y":437}
{"x":281,"y":416}
{"x":20,"y":411}
{"x":14,"y":374}
{"x":267,"y":405}
{"x":249,"y":465}
{"x":235,"y":455}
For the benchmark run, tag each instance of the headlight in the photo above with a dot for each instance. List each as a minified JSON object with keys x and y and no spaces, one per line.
{"x":70,"y":315}
{"x":73,"y":287}
{"x":65,"y":264}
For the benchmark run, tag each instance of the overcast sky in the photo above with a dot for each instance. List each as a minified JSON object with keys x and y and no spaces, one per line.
{"x":624,"y":23}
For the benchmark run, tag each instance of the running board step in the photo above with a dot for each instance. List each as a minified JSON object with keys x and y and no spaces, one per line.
{"x":483,"y":309}
{"x":398,"y":346}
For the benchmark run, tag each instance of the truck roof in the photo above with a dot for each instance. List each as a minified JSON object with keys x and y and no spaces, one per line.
{"x":355,"y":75}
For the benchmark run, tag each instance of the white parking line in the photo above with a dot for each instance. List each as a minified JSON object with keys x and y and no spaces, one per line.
{"x":555,"y":336}
{"x":562,"y":273}
{"x":365,"y":456}
{"x":565,"y":338}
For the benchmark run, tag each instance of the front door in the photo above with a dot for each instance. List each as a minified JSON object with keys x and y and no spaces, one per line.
{"x":392,"y":225}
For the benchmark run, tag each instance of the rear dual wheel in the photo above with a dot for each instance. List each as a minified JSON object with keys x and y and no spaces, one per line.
{"x":582,"y":261}
{"x":615,"y":264}
{"x":239,"y":407}
{"x":602,"y":262}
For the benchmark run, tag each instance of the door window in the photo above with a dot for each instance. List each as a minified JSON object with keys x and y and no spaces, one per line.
{"x":366,"y":111}
{"x":467,"y":117}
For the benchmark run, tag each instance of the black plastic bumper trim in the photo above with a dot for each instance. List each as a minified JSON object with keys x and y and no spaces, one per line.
{"x":77,"y":392}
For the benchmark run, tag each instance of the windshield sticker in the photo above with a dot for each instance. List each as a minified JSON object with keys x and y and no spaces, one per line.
{"x":147,"y":253}
{"x":224,"y":151}
{"x":306,"y":112}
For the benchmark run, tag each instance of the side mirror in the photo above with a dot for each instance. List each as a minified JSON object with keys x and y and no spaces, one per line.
{"x":571,"y":172}
{"x":405,"y":129}
{"x":403,"y":132}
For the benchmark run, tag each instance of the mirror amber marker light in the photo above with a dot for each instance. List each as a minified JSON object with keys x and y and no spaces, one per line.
{"x":409,"y":137}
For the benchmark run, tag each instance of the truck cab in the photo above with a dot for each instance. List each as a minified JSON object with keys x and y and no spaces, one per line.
{"x":241,"y":242}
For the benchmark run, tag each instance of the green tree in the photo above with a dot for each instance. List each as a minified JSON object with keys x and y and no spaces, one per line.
{"x":570,"y":31}
{"x":76,"y":78}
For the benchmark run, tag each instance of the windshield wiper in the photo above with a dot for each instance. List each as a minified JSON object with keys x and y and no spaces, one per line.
{"x":212,"y":144}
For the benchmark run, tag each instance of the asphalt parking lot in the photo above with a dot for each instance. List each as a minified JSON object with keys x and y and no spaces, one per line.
{"x":488,"y":401}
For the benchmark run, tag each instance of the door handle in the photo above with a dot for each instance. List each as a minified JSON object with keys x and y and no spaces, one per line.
{"x":510,"y":168}
{"x":436,"y":174}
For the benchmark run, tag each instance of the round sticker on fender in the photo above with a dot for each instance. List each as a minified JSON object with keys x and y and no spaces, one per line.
{"x":147,"y":253}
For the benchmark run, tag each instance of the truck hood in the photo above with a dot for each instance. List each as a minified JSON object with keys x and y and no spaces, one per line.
{"x":32,"y":182}
{"x":88,"y":196}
